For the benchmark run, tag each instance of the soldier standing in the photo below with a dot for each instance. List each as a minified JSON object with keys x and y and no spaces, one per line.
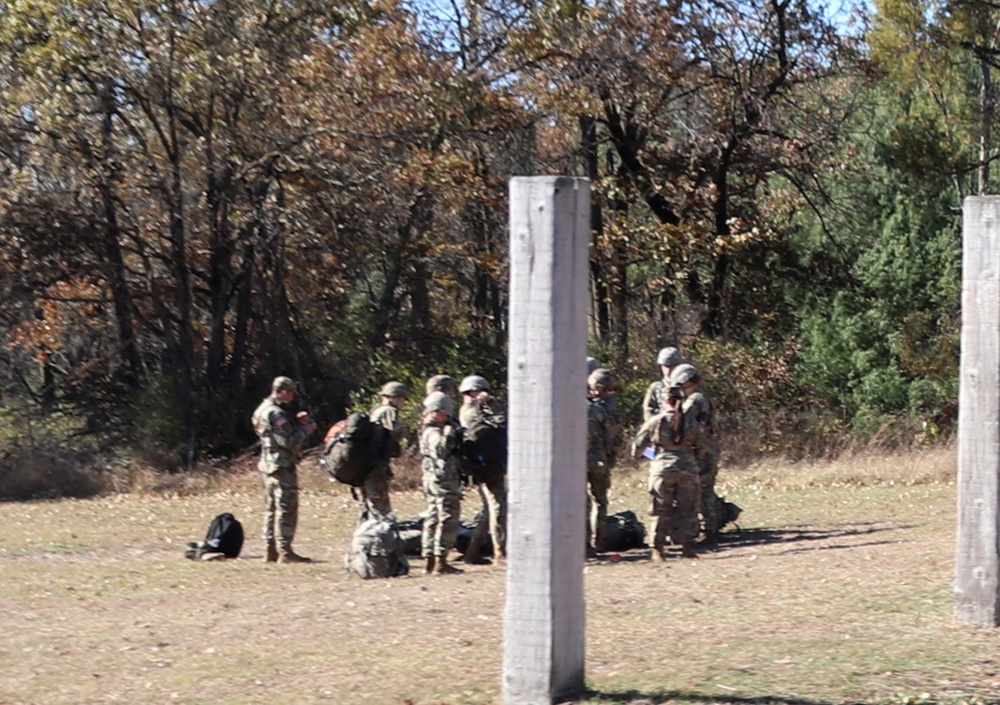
{"x":479,"y":405}
{"x":699,"y":407}
{"x":599,"y":440}
{"x":375,"y":490}
{"x":442,"y":483}
{"x":667,"y":359}
{"x":673,"y":476}
{"x":281,"y":437}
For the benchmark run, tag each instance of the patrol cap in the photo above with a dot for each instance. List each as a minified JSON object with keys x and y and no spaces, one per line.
{"x":282,"y":382}
{"x":474,"y":383}
{"x":394,"y":389}
{"x":682,"y":374}
{"x":592,"y":364}
{"x":669,"y":357}
{"x":441,"y":383}
{"x":439,"y":401}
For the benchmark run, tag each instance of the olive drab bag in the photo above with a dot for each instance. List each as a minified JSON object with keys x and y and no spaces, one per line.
{"x":353,"y":447}
{"x":484,"y":448}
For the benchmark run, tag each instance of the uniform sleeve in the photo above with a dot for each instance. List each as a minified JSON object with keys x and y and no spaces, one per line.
{"x":650,"y":403}
{"x":286,"y":432}
{"x":436,"y":443}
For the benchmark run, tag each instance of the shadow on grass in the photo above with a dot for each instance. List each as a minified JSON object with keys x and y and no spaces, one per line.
{"x":798,"y":538}
{"x":767,"y":536}
{"x":635,"y":697}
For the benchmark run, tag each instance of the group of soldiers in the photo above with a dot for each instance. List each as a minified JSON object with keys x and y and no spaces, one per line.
{"x":678,"y":437}
{"x":283,"y":435}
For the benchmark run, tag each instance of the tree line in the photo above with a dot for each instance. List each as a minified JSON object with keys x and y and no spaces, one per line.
{"x":200,"y":195}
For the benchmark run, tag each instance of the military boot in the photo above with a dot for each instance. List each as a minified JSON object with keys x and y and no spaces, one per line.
{"x":657,"y":555}
{"x":444,"y":568}
{"x":272,"y":553}
{"x":687,"y":550}
{"x":290,"y":556}
{"x":429,"y":565}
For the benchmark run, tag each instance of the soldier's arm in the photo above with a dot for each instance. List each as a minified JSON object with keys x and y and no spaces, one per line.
{"x":650,"y":404}
{"x":440,"y":440}
{"x":286,"y":432}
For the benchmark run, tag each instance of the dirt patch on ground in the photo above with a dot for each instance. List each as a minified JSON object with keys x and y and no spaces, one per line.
{"x":838,"y":589}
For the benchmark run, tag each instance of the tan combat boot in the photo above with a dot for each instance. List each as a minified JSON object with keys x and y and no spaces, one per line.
{"x":429,"y":565}
{"x":272,"y":553}
{"x":657,"y":555}
{"x":444,"y":568}
{"x":290,"y":556}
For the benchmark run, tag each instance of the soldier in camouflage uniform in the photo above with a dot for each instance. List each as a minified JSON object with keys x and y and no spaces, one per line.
{"x":699,"y":407}
{"x":375,"y":490}
{"x":673,"y":476}
{"x":476,"y":403}
{"x":667,"y":359}
{"x":442,"y":483}
{"x":599,"y":449}
{"x":281,"y":437}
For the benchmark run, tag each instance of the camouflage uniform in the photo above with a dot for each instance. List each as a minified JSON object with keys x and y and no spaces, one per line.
{"x":492,"y":491}
{"x":673,"y":488}
{"x":442,"y":486}
{"x":651,"y":400}
{"x":667,"y":359}
{"x":598,"y":470}
{"x":281,"y":439}
{"x":699,"y":407}
{"x":610,"y":403}
{"x":375,"y":489}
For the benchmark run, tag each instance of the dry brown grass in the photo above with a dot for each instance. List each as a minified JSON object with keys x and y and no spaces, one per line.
{"x":837,"y":590}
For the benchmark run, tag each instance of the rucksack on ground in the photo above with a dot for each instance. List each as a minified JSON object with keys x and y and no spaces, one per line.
{"x":224,"y":539}
{"x":354,"y":446}
{"x":727,"y":513}
{"x":484,"y":448}
{"x":376,"y":550}
{"x":623,"y":531}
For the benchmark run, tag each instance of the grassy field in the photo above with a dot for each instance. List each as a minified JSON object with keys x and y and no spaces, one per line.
{"x":838,"y":589}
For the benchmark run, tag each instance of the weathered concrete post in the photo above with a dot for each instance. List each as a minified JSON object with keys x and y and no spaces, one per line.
{"x":977,"y":560}
{"x":546,"y":517}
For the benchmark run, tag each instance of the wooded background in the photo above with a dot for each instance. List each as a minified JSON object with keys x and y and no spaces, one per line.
{"x":197,"y":196}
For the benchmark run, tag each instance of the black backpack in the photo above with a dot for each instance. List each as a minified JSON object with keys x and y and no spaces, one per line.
{"x":225,"y":536}
{"x":727,"y":513}
{"x":353,"y":447}
{"x":484,"y":448}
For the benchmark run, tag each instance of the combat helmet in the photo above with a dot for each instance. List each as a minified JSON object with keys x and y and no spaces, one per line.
{"x":394,"y":389}
{"x":669,"y":357}
{"x":682,"y":374}
{"x":592,"y":364}
{"x":601,"y":380}
{"x":441,"y":383}
{"x":282,"y":382}
{"x":439,"y":401}
{"x":474,"y":383}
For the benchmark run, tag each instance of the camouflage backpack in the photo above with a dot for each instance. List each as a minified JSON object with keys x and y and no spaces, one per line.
{"x":354,"y":446}
{"x":376,"y":550}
